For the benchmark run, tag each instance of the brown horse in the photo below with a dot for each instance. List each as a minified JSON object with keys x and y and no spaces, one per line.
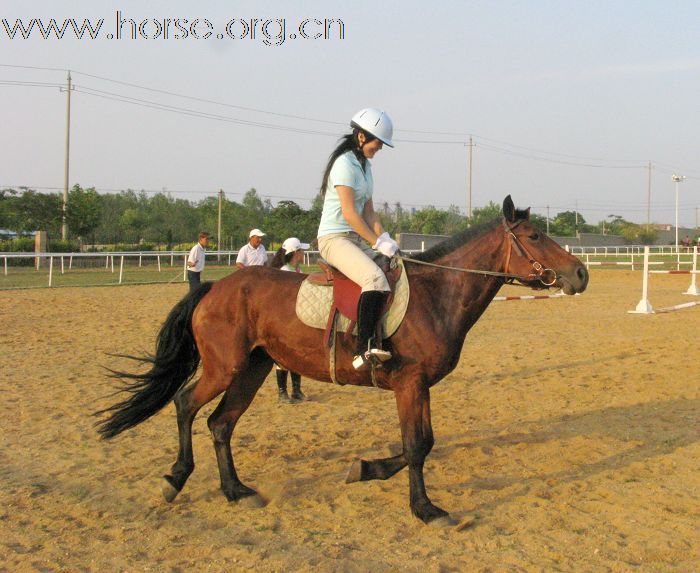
{"x":242,"y":323}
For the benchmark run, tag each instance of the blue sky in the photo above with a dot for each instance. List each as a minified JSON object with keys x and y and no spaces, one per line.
{"x":566,"y":102}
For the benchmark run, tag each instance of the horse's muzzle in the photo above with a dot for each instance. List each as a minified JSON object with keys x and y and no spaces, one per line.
{"x":574,"y":281}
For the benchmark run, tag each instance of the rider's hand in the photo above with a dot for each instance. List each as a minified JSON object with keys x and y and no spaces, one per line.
{"x":387,"y":247}
{"x":380,"y":239}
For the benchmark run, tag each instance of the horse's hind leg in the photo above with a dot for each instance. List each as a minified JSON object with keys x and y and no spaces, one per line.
{"x":187,"y":409}
{"x":223,"y":420}
{"x":365,"y":470}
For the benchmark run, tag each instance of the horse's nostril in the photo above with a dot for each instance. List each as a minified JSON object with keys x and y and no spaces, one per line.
{"x":582,"y":275}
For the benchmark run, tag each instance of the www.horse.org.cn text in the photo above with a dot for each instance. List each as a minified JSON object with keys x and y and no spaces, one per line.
{"x":268,"y":31}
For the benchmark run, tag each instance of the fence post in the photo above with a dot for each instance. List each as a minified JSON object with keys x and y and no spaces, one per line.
{"x":50,"y":270}
{"x":158,"y":263}
{"x":693,"y":289}
{"x":644,"y":306}
{"x":121,"y":268}
{"x":62,"y":269}
{"x":184,"y":269}
{"x":70,"y":262}
{"x":112,"y":259}
{"x":140,"y":258}
{"x":5,"y":266}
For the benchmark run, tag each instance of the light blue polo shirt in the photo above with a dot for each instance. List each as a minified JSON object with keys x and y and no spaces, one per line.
{"x":346,"y":171}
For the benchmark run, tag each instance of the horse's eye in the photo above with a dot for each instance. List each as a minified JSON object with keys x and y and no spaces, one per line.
{"x":535,"y":236}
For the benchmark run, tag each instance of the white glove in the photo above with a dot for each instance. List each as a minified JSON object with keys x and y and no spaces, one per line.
{"x":380,"y":239}
{"x":386,"y":245}
{"x":388,"y":248}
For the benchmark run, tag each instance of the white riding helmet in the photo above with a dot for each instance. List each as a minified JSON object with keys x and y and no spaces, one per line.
{"x":376,"y":122}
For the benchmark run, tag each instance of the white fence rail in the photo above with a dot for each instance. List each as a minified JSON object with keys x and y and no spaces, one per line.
{"x":44,"y":267}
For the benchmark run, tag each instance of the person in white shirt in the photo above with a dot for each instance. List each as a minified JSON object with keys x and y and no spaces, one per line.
{"x":253,"y":252}
{"x":195,"y":261}
{"x":349,"y":224}
{"x":289,"y":258}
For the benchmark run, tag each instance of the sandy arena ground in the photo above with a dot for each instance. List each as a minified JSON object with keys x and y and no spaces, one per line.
{"x":566,"y":440}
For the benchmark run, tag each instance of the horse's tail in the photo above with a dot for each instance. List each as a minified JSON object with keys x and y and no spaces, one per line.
{"x":175,"y":362}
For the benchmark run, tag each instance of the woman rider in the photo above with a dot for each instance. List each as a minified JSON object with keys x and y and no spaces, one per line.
{"x":349,"y":223}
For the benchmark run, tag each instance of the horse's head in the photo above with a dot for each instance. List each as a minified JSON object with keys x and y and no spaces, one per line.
{"x":532,"y":254}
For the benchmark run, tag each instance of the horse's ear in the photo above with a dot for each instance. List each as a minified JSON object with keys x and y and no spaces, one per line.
{"x":509,"y":209}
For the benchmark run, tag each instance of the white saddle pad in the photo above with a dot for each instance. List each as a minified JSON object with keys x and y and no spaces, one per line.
{"x":314,"y":304}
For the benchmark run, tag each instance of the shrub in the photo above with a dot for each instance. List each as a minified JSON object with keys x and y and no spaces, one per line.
{"x":19,"y":245}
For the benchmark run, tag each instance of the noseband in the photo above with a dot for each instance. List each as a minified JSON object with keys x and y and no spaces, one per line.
{"x":540,"y":273}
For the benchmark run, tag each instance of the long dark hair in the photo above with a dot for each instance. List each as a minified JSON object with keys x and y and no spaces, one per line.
{"x":280,"y":258}
{"x":349,"y":142}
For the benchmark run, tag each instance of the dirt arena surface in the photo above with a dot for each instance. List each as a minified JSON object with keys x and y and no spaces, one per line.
{"x":566,"y":440}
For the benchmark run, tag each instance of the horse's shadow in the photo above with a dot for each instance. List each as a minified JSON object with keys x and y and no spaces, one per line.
{"x":654,"y":429}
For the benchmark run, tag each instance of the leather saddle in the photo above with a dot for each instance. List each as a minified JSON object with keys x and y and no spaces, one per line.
{"x":346,"y":293}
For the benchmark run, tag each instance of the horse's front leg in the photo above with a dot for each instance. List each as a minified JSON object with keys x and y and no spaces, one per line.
{"x":413,"y":403}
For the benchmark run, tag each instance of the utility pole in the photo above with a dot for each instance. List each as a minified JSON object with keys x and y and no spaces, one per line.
{"x":218,"y":231}
{"x":576,"y":219}
{"x":548,"y":219}
{"x":469,"y":206}
{"x":649,"y":198}
{"x":64,"y":224}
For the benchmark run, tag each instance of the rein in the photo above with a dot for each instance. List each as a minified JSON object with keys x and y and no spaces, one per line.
{"x":539,"y":273}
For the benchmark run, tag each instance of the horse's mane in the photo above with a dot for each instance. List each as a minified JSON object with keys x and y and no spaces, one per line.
{"x":449,"y":245}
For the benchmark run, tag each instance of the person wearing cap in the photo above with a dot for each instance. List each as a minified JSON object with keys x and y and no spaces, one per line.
{"x":290,"y":255}
{"x":288,"y":258}
{"x":349,"y":224}
{"x":195,"y":261}
{"x":253,"y":253}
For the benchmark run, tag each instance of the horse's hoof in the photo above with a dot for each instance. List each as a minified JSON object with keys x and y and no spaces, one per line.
{"x":432,"y":515}
{"x":442,"y":522}
{"x":168,"y":490}
{"x":253,"y":501}
{"x":355,"y":472}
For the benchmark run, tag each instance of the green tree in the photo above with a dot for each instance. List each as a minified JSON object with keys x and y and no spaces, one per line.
{"x":429,"y":221}
{"x":32,"y":211}
{"x":485,"y":214}
{"x":565,"y":223}
{"x":288,"y":219}
{"x":83,"y":212}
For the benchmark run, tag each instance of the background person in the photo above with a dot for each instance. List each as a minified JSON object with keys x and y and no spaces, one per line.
{"x":289,"y":258}
{"x":253,"y":252}
{"x":195,"y":261}
{"x":349,"y":223}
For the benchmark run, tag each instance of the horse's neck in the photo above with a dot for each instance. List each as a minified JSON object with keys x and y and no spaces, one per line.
{"x":460,"y":297}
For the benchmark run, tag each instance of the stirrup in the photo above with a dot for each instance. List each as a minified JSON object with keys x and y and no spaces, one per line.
{"x":373,"y":356}
{"x":379,"y":354}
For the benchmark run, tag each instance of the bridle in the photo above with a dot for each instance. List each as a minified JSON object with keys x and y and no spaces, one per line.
{"x":540,"y":273}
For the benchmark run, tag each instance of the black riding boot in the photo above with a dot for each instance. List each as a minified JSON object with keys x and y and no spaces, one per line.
{"x":369,"y":311}
{"x":282,"y":397}
{"x":297,"y":394}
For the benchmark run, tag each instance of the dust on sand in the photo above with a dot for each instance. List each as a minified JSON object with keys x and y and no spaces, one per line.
{"x":566,"y":440}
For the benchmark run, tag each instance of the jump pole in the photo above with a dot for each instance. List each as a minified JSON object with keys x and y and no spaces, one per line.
{"x":530,"y":297}
{"x":678,"y":306}
{"x":644,"y":306}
